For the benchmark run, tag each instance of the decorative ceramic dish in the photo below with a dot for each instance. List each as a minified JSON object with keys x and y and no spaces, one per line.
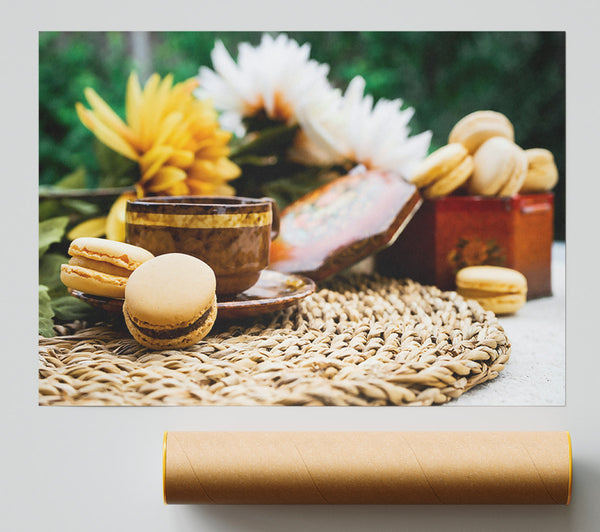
{"x":273,"y":291}
{"x":343,"y":222}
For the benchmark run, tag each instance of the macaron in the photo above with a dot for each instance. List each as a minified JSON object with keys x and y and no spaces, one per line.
{"x":101,"y":267}
{"x":170,"y":301}
{"x":501,"y":290}
{"x":499,"y":168}
{"x":443,"y":171}
{"x":474,"y":129}
{"x":542,"y":173}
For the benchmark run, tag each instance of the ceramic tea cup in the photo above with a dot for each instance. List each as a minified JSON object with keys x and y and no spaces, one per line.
{"x":231,"y":234}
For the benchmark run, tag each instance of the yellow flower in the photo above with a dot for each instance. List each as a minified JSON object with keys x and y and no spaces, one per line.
{"x":174,"y":137}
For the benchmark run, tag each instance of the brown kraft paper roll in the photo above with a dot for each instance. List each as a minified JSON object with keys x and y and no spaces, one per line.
{"x":367,"y":467}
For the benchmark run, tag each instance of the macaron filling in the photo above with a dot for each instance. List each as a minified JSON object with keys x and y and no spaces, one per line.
{"x":99,"y":266}
{"x":170,"y":333}
{"x":475,"y":293}
{"x":86,"y":273}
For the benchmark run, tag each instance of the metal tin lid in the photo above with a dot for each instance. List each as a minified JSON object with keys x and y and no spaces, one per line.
{"x":343,"y":222}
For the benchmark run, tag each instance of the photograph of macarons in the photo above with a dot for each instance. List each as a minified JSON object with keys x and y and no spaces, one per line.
{"x":301,"y":218}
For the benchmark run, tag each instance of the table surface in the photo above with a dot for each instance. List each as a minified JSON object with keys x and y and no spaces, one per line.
{"x":535,"y":373}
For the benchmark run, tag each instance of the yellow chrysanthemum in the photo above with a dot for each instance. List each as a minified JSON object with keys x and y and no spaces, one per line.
{"x":174,"y":137}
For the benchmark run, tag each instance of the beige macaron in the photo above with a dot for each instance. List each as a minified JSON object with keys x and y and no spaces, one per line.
{"x":501,"y":290}
{"x":542,"y":173}
{"x":170,"y":301}
{"x":443,"y":171}
{"x":499,"y":168}
{"x":101,"y":267}
{"x":474,"y":129}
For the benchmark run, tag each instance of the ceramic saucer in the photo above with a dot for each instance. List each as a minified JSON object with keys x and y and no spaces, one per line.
{"x":273,"y":291}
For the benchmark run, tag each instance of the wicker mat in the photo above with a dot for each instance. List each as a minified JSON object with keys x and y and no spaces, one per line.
{"x":357,"y":341}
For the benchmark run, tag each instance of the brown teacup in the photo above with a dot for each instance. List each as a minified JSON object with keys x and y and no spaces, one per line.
{"x":231,"y":234}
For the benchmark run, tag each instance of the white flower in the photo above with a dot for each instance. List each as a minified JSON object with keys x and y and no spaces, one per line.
{"x":355,"y":130}
{"x":276,"y":77}
{"x":279,"y":79}
{"x":316,"y":142}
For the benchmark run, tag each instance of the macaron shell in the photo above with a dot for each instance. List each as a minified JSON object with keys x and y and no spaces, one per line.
{"x":117,"y":253}
{"x":517,"y":176}
{"x":452,"y":180}
{"x":498,"y":304}
{"x":92,"y":282}
{"x":493,"y":166}
{"x":492,"y":279}
{"x":438,"y":163}
{"x":475,"y":128}
{"x":185,"y":340}
{"x":170,"y":290}
{"x":542,"y":173}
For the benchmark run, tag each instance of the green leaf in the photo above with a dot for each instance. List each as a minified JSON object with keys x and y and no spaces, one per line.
{"x":82,"y":207}
{"x":45,"y":325}
{"x":51,"y":231}
{"x":268,"y":142}
{"x":68,"y":308}
{"x":75,"y":179}
{"x":256,"y":160}
{"x":49,"y":208}
{"x":49,"y":271}
{"x":115,"y":169}
{"x":290,"y":188}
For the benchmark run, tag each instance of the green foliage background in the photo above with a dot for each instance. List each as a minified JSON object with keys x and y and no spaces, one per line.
{"x":442,"y":75}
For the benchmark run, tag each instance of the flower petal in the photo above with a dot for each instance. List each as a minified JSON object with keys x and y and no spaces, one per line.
{"x":276,"y":77}
{"x":166,"y":177}
{"x":152,"y":160}
{"x":171,"y":124}
{"x":115,"y":222}
{"x":222,"y":169}
{"x":95,"y":227}
{"x":133,"y":100}
{"x":203,"y":188}
{"x":104,"y":134}
{"x":181,"y":158}
{"x":178,"y":189}
{"x":107,"y":116}
{"x":148,"y":111}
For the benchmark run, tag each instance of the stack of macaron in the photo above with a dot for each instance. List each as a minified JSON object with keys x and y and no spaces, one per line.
{"x":101,"y":267}
{"x":482,"y":158}
{"x":169,"y":301}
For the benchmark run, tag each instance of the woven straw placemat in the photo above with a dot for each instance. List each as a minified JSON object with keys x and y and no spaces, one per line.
{"x":359,"y":340}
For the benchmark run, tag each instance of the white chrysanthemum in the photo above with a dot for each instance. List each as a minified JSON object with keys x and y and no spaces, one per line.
{"x":355,"y":130}
{"x":276,"y":77}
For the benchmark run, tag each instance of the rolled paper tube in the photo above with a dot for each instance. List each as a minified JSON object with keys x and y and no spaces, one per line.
{"x":367,"y":467}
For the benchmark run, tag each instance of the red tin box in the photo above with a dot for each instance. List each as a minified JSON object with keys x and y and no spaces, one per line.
{"x":452,"y":232}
